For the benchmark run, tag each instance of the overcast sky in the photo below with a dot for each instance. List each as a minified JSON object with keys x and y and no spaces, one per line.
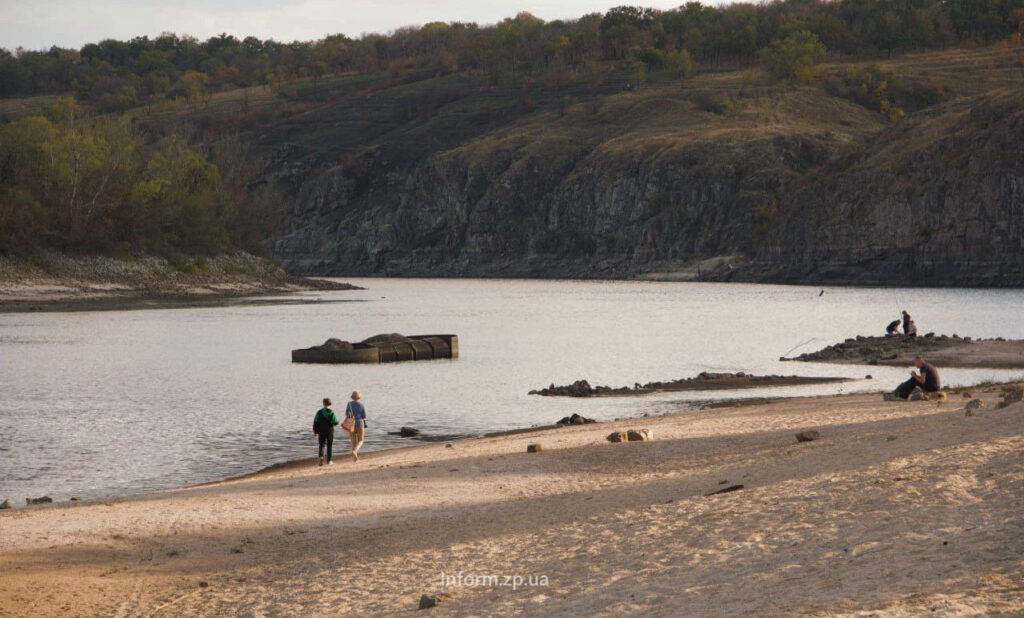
{"x":38,"y":24}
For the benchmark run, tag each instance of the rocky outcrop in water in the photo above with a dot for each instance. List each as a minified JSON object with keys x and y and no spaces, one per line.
{"x":386,"y":348}
{"x":871,"y":350}
{"x":703,"y":381}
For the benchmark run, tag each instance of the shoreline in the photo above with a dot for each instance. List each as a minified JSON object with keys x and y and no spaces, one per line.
{"x":415,"y":443}
{"x":683,"y":275}
{"x":58,"y":282}
{"x":418,"y":442}
{"x":128,"y":300}
{"x":421,"y":443}
{"x":888,"y":494}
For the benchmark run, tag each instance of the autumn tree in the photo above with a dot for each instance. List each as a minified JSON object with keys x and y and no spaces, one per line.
{"x":794,"y":58}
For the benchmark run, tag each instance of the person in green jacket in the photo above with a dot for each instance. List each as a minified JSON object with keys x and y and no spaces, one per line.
{"x":323,"y":429}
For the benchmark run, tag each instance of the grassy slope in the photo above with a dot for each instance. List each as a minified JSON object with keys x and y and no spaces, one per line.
{"x":315,"y":130}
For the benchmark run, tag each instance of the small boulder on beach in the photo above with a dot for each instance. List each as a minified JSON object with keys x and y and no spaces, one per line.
{"x":1014,"y":396}
{"x":40,"y":500}
{"x":639,"y":435}
{"x":431,"y":600}
{"x":6,"y":504}
{"x":617,"y":436}
{"x":533,"y":448}
{"x":808,"y":435}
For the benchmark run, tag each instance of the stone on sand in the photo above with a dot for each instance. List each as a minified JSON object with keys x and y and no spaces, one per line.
{"x":808,"y":435}
{"x":41,"y":500}
{"x":431,"y":600}
{"x":533,"y":448}
{"x":974,"y":404}
{"x":639,"y":435}
{"x":6,"y":504}
{"x":617,"y":436}
{"x":1014,"y":396}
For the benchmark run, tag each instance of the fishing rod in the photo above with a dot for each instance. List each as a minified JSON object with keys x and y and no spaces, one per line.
{"x":799,"y":346}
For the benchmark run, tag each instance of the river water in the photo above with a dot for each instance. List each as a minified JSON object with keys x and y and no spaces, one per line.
{"x":111,"y":403}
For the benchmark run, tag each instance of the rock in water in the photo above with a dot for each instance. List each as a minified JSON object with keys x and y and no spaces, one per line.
{"x":408,"y":432}
{"x":617,"y":436}
{"x":42,"y":500}
{"x":6,"y":504}
{"x":639,"y":435}
{"x":807,"y":436}
{"x":575,"y":419}
{"x":431,"y":600}
{"x":533,"y":448}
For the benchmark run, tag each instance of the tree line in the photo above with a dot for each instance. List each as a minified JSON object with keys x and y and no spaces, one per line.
{"x":117,"y":75}
{"x":77,"y":181}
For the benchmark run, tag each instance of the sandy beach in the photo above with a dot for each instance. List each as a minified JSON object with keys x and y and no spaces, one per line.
{"x":897,"y":509}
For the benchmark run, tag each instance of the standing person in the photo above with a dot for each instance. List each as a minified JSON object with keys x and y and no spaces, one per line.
{"x":927,"y":380}
{"x":893,"y":328}
{"x":357,"y":412}
{"x":323,"y":429}
{"x":906,"y":322}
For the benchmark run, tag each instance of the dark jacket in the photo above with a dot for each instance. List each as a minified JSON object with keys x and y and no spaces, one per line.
{"x":323,"y":421}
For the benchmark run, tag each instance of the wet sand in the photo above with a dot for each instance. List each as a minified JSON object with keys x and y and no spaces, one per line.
{"x":898,"y":509}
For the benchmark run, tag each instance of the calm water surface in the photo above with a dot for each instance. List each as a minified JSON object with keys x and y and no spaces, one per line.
{"x":110,"y":403}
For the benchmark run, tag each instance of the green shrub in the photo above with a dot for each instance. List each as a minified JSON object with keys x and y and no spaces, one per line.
{"x":794,"y":58}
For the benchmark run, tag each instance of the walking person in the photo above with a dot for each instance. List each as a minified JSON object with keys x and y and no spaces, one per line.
{"x":323,"y":429}
{"x":357,"y":412}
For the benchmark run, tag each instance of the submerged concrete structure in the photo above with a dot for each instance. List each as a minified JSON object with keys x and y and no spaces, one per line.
{"x":381,"y":349}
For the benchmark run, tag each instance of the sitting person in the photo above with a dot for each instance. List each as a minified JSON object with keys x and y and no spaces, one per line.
{"x":912,"y":329}
{"x":927,"y":381}
{"x":893,"y":328}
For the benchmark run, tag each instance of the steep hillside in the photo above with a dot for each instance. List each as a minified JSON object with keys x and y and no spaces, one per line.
{"x":450,"y":176}
{"x":937,"y":199}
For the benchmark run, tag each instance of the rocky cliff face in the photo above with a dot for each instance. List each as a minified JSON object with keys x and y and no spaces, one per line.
{"x":804,"y":187}
{"x":516,"y":213}
{"x":938,"y":200}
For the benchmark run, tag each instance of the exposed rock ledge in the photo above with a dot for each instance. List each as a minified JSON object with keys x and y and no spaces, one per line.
{"x":703,"y":382}
{"x":942,"y":350}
